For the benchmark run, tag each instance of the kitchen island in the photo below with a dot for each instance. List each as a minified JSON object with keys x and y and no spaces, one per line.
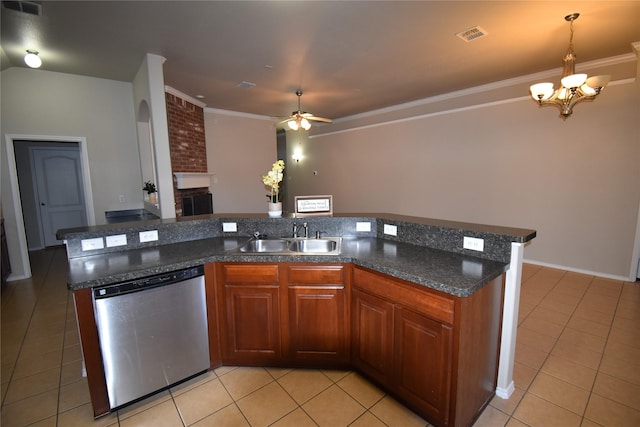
{"x":403,"y":302}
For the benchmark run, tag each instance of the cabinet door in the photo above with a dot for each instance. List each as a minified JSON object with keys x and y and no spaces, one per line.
{"x":372,"y":335}
{"x":423,"y":363}
{"x":250,"y":315}
{"x":317,"y":324}
{"x":318,"y":315}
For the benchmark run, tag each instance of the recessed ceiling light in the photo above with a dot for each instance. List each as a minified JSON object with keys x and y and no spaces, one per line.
{"x":32,"y":59}
{"x":200,"y":96}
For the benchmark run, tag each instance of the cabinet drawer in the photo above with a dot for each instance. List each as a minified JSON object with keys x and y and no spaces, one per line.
{"x":252,"y":274}
{"x":316,"y":274}
{"x":423,"y":301}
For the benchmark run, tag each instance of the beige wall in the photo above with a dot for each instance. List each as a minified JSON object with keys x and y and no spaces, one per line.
{"x":508,"y":163}
{"x":240,"y":149}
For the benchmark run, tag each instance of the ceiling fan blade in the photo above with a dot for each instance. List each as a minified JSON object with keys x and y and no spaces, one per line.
{"x":299,"y":115}
{"x":319,"y":119}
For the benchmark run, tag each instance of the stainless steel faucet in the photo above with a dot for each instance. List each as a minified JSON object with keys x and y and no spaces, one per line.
{"x":306,"y":230}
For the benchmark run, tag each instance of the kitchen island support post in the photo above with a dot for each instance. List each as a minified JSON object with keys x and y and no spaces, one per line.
{"x":510,"y":322}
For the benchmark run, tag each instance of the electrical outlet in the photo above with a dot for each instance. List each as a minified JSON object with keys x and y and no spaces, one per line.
{"x":117,"y":240}
{"x":92,"y":244}
{"x":391,"y":230}
{"x":229,"y":227}
{"x":121,"y":198}
{"x":148,"y":236}
{"x":363,"y":226}
{"x":473,"y":243}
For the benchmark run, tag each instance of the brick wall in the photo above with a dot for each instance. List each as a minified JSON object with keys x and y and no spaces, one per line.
{"x":187,"y":143}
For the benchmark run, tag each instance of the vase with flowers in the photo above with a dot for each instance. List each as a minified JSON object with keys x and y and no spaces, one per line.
{"x":272,"y":181}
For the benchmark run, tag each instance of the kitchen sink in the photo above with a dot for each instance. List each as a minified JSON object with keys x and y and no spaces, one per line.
{"x":313,"y":245}
{"x":293,"y":246}
{"x":265,"y":245}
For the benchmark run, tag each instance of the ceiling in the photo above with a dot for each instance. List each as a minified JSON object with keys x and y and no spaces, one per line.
{"x":348,"y":57}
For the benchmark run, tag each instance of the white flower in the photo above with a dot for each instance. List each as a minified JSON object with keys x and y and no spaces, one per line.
{"x":273,"y":178}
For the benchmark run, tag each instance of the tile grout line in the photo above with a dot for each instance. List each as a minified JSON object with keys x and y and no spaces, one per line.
{"x":591,"y":392}
{"x":525,"y":391}
{"x":38,"y":290}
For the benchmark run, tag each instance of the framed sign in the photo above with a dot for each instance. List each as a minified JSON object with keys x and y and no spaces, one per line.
{"x":314,"y":205}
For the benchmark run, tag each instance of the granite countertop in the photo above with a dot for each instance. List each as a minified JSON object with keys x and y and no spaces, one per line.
{"x":453,"y":273}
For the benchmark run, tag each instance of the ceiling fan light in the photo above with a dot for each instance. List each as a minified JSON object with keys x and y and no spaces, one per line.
{"x":293,"y":124}
{"x":541,"y":91}
{"x":305,"y":124}
{"x":32,"y":59}
{"x":574,"y":80}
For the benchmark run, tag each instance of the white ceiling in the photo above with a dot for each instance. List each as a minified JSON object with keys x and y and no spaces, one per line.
{"x":348,"y":57}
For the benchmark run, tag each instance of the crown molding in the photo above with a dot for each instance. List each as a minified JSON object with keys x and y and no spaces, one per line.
{"x":184,"y":96}
{"x":239,"y":114}
{"x":526,"y":79}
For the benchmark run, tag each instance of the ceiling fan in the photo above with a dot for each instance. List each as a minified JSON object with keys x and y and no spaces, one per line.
{"x":300,"y":119}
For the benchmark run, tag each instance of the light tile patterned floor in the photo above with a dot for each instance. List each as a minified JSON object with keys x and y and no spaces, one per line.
{"x":577,"y":364}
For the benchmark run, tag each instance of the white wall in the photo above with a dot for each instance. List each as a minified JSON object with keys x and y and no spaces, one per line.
{"x":42,"y":103}
{"x":148,"y":89}
{"x":240,"y":149}
{"x":576,"y":182}
{"x":36,"y":102}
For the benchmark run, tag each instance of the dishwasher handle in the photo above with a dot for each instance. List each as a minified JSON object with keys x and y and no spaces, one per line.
{"x":147,"y":282}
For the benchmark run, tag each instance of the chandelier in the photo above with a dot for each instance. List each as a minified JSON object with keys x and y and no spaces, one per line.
{"x":574,"y":87}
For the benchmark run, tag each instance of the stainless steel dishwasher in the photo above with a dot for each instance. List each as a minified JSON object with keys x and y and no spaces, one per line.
{"x":153,"y":333}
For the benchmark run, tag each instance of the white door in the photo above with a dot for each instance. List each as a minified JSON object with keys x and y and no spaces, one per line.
{"x":59,"y":189}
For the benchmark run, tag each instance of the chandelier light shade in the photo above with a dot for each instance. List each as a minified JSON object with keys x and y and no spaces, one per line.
{"x":32,"y":59}
{"x":574,"y":88}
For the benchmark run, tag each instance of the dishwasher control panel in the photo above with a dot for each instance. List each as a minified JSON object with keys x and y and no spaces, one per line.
{"x":148,"y":282}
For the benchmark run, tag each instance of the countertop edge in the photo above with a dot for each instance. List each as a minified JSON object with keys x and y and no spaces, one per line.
{"x":372,"y":259}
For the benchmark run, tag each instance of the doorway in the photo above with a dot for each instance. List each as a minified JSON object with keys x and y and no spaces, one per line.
{"x":51,"y":189}
{"x":14,"y":214}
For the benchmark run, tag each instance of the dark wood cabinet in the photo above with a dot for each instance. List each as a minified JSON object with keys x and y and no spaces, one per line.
{"x":283,"y":314}
{"x":436,"y":352}
{"x":318,"y":321}
{"x":372,"y":336}
{"x":422,"y":362}
{"x":249,"y":307}
{"x":397,"y":344}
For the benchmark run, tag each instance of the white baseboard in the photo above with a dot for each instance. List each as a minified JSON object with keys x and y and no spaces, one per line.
{"x":581,"y":271}
{"x":505,"y":393}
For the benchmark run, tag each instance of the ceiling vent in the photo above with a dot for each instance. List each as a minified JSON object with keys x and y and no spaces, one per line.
{"x":29,"y":7}
{"x":472,"y":33}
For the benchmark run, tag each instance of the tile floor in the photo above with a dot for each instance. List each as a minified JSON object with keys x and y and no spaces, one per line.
{"x":577,"y":364}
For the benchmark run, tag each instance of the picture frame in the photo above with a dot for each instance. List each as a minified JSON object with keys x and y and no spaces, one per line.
{"x":313,"y":205}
